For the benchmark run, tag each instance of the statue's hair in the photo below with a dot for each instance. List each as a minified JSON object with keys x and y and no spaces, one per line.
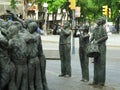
{"x":14,"y":29}
{"x":27,"y":21}
{"x":66,"y":24}
{"x":85,"y":26}
{"x":18,"y":24}
{"x":33,"y":26}
{"x":103,"y":20}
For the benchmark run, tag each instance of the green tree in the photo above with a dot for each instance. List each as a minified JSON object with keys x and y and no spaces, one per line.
{"x":13,"y":4}
{"x":91,"y":9}
{"x":113,"y":4}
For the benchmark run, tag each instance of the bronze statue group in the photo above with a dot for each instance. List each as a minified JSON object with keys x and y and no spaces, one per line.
{"x":90,"y":46}
{"x":22,"y":61}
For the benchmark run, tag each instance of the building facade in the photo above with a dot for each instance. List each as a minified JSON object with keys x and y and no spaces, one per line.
{"x":5,"y":5}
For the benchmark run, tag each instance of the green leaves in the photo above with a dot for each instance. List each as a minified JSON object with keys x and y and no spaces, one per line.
{"x":53,"y":5}
{"x":13,"y":4}
{"x":89,"y":8}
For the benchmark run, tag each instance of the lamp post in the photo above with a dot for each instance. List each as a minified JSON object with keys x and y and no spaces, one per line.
{"x":45,"y":5}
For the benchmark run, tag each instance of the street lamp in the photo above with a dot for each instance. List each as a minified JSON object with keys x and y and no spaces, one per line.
{"x":45,"y":5}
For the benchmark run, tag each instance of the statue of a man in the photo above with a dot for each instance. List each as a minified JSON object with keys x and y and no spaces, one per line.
{"x":84,"y":60}
{"x":7,"y":67}
{"x":37,"y":56}
{"x":65,"y":50}
{"x":35,"y":81}
{"x":99,"y":36}
{"x":18,"y":54}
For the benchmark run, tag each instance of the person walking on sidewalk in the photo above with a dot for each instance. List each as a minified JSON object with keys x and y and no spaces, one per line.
{"x":64,"y":50}
{"x":84,"y":60}
{"x":99,"y":36}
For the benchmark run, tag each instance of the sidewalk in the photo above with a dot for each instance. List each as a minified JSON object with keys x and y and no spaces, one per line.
{"x":74,"y":83}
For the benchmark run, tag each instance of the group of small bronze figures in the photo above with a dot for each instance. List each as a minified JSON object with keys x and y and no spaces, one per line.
{"x":22,"y":61}
{"x":90,"y":46}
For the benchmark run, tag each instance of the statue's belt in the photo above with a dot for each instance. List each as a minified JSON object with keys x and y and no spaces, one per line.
{"x":20,"y":61}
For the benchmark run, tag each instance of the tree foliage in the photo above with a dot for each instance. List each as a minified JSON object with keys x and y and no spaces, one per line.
{"x":113,"y":4}
{"x":13,"y":4}
{"x":89,"y":8}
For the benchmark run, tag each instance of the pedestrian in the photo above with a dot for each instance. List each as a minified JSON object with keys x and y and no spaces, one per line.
{"x":84,"y":60}
{"x":99,"y":36}
{"x":65,"y":50}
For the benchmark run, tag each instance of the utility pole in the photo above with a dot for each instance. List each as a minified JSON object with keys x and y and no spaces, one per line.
{"x":72,"y":7}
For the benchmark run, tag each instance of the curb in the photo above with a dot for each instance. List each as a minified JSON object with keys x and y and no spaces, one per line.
{"x":115,"y":46}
